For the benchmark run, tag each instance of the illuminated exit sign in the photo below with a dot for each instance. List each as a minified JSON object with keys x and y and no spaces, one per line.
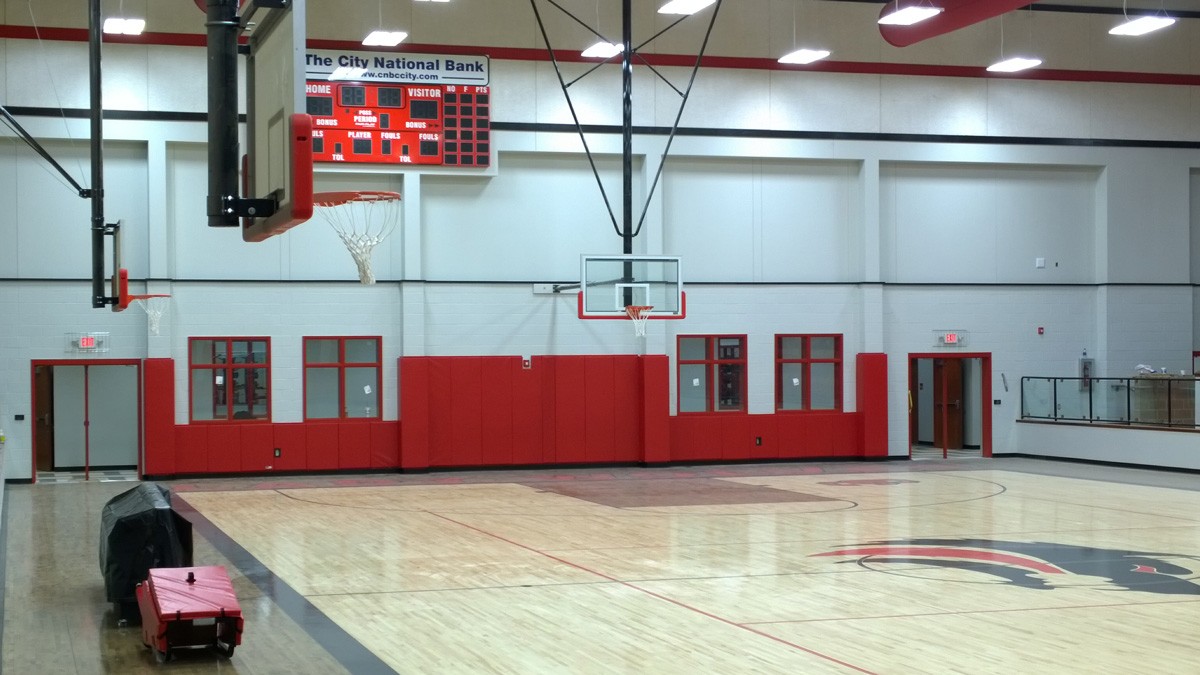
{"x":87,"y":342}
{"x":949,"y":338}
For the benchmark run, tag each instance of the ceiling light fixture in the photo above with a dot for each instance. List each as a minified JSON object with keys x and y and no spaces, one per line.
{"x":684,"y":6}
{"x":1014,"y":64}
{"x":384,"y":38}
{"x":907,"y":16}
{"x":602,"y":50}
{"x":118,"y":26}
{"x":804,"y":56}
{"x":1142,"y":25}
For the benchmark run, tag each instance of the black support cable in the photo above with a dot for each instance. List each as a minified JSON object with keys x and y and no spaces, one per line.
{"x":41,"y":151}
{"x":678,"y":116}
{"x":574,"y":116}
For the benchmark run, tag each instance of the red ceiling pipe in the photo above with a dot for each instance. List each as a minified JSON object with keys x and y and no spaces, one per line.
{"x":957,"y":14}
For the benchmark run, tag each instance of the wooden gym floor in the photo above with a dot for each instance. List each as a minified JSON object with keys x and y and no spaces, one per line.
{"x":972,"y":566}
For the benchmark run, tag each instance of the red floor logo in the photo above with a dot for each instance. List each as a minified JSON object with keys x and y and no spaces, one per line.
{"x":1037,"y":565}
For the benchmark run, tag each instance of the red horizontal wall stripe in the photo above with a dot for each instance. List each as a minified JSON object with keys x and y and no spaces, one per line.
{"x":659,"y":60}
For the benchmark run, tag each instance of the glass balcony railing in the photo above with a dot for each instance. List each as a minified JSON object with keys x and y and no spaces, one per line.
{"x":1154,"y":399}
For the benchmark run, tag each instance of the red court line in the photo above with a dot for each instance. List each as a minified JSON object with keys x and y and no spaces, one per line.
{"x":655,"y":595}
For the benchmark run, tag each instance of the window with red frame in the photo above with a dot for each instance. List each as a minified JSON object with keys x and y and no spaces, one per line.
{"x":229,"y":378}
{"x":342,"y":377}
{"x":808,"y":372}
{"x":712,"y":373}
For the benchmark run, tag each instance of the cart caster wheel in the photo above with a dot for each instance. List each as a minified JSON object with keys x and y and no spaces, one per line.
{"x":225,"y":649}
{"x":163,"y":657}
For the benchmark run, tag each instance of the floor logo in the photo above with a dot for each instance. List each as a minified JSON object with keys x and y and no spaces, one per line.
{"x":1038,"y":565}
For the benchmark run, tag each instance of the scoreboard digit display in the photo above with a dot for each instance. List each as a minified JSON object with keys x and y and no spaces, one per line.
{"x":442,"y":124}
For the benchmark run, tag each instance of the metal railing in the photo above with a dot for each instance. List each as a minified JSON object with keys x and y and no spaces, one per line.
{"x":1154,"y":400}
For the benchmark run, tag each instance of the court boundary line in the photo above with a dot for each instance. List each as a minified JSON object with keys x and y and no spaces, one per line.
{"x":328,"y":634}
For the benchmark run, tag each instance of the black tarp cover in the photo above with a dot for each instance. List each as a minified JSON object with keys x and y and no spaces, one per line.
{"x":138,"y":532}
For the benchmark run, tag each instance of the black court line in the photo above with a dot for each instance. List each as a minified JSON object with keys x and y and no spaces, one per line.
{"x":3,"y":571}
{"x":349,"y":652}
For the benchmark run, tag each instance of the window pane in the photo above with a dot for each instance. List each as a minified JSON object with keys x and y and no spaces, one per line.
{"x":362,"y":398}
{"x":208,"y":393}
{"x":823,"y":386}
{"x":824,"y":347}
{"x":791,"y":386}
{"x":791,"y":348}
{"x":693,"y":388}
{"x":249,"y":392}
{"x":728,"y":391}
{"x":321,"y":393}
{"x":692,"y":349}
{"x":362,"y":350}
{"x":729,"y":348}
{"x":320,"y":351}
{"x":202,"y":351}
{"x":249,"y":351}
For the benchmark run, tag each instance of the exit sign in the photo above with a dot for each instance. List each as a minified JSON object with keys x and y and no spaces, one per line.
{"x":87,"y":342}
{"x":949,"y":338}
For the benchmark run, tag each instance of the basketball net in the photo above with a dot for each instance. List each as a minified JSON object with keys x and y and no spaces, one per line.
{"x":639,"y":314}
{"x":155,"y":306}
{"x":362,"y":220}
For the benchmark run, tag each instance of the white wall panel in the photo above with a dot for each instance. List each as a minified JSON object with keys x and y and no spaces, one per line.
{"x":1000,"y":321}
{"x":1148,"y":219}
{"x":987,"y":223}
{"x":942,"y":105}
{"x":54,"y":223}
{"x":286,"y":313}
{"x":1149,"y":325}
{"x":1194,"y":223}
{"x":202,"y":252}
{"x":532,"y":221}
{"x":10,"y":148}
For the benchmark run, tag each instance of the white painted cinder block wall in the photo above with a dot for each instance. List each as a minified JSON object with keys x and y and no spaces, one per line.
{"x":880,"y":240}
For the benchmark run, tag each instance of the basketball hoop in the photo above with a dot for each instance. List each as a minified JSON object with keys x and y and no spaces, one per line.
{"x":639,"y":314}
{"x":362,"y":219}
{"x":155,"y":305}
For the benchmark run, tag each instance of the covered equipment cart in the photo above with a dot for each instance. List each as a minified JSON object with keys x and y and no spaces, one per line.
{"x":186,"y":607}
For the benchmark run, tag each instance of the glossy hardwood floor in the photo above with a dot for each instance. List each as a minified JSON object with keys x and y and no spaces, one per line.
{"x":974,"y":566}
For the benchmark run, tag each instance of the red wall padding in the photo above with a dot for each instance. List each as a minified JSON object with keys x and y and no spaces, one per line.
{"x":872,"y":397}
{"x":491,"y":411}
{"x":739,"y":436}
{"x":158,"y":416}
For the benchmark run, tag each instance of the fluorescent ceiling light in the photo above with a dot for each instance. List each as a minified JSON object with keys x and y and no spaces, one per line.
{"x":384,"y":38}
{"x":347,"y":73}
{"x":117,"y":26}
{"x":907,"y":16}
{"x":684,"y":6}
{"x":1014,"y":64}
{"x":603,"y":50}
{"x":803,"y":56}
{"x":1142,"y":25}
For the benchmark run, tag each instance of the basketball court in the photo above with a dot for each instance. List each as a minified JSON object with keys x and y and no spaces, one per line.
{"x":981,"y":566}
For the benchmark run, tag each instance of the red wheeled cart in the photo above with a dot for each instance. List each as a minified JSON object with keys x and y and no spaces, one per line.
{"x":188,"y":607}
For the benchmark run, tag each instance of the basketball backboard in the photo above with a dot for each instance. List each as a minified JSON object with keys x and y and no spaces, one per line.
{"x":278,"y":162}
{"x":610,"y":283}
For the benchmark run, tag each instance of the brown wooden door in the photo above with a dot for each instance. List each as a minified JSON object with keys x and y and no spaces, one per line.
{"x":947,"y":403}
{"x":43,"y":415}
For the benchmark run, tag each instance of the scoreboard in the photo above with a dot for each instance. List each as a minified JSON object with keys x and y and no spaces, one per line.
{"x":427,"y":124}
